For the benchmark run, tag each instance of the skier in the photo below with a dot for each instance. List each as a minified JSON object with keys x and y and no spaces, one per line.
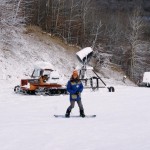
{"x":75,"y":87}
{"x":124,"y":78}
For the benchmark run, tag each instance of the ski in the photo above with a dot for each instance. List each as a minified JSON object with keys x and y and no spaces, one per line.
{"x":75,"y":116}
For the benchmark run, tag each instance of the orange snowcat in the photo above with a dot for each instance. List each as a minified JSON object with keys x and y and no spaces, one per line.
{"x":44,"y":81}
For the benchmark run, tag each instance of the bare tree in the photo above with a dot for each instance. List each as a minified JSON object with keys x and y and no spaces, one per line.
{"x":136,"y":24}
{"x":17,"y":9}
{"x":97,"y":33}
{"x":85,"y":9}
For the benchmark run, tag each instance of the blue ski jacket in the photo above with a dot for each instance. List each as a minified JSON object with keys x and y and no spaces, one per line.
{"x":75,"y":87}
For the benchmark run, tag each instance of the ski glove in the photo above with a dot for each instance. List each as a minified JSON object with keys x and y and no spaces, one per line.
{"x":77,"y":93}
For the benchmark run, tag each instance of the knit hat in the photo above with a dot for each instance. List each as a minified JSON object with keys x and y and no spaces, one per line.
{"x":75,"y":72}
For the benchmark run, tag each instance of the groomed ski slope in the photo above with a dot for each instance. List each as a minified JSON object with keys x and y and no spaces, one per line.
{"x":122,"y":122}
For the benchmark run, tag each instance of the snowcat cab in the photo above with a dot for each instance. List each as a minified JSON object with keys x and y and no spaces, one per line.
{"x":44,"y":80}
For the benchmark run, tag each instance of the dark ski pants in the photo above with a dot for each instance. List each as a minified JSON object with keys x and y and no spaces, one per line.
{"x":72,"y":103}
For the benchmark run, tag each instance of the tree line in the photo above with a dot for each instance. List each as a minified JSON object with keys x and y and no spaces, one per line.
{"x":116,"y":29}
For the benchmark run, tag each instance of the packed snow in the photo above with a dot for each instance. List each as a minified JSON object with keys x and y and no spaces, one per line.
{"x":122,"y":121}
{"x":43,"y":65}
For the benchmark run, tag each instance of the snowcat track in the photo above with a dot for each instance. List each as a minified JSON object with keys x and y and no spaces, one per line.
{"x":41,"y":91}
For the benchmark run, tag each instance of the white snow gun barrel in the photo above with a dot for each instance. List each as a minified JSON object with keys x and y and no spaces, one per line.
{"x":85,"y":55}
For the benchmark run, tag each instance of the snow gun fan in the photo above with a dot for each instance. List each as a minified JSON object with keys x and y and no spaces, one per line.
{"x":94,"y":82}
{"x":85,"y":55}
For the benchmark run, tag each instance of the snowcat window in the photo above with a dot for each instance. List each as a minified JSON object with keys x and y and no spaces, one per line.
{"x":36,"y":73}
{"x":47,"y":72}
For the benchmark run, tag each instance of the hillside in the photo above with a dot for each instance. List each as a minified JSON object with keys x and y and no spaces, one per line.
{"x":21,"y":48}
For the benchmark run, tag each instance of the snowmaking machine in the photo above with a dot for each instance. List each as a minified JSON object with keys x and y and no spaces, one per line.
{"x":146,"y":80}
{"x":44,"y":81}
{"x":86,"y":72}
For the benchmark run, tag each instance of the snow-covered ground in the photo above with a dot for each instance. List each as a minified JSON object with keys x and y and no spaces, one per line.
{"x":122,"y":121}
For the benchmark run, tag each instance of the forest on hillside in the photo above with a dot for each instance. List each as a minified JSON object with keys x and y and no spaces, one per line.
{"x":117,"y":30}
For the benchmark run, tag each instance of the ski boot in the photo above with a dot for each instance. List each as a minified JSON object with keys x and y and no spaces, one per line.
{"x":67,"y":115}
{"x":82,"y":113}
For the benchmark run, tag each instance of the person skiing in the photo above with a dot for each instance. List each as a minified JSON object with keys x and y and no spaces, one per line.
{"x":75,"y":88}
